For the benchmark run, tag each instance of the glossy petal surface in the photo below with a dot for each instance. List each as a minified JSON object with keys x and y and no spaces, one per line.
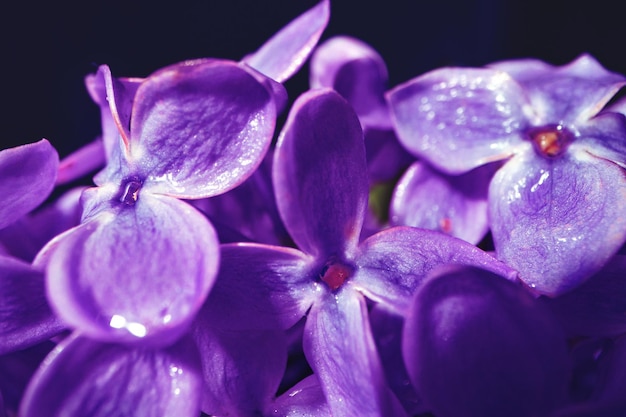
{"x":392,"y":264}
{"x":339,"y":346}
{"x":25,"y":316}
{"x":28,"y":174}
{"x":456,"y":205}
{"x":285,"y":52}
{"x":305,"y":399}
{"x":319,"y":174}
{"x":604,"y":136}
{"x":106,"y":379}
{"x":476,"y":345}
{"x":200,"y":128}
{"x":270,"y":285}
{"x":460,"y":118}
{"x":557,"y":221}
{"x":161,"y":257}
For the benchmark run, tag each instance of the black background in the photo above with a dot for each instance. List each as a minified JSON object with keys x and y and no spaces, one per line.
{"x":48,"y":47}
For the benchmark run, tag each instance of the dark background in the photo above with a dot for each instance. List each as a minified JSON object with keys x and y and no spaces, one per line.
{"x":48,"y":47}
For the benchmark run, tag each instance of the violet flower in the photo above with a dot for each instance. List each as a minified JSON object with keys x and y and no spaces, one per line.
{"x":321,"y":190}
{"x":556,"y":205}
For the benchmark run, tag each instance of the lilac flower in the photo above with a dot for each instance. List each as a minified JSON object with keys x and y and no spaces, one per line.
{"x":555,"y":207}
{"x":142,"y":262}
{"x":321,"y":191}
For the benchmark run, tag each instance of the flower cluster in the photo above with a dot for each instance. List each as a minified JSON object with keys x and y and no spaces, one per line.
{"x":448,"y":247}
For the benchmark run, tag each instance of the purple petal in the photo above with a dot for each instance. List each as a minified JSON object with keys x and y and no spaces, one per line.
{"x":595,"y":308}
{"x":261,"y":287}
{"x":604,"y":136}
{"x":456,"y":205}
{"x":386,"y":158}
{"x":25,"y":316}
{"x":460,"y":118}
{"x":357,"y":72}
{"x":477,"y":345}
{"x":284,"y":53}
{"x":320,"y":174}
{"x":200,"y":128}
{"x":557,"y":221}
{"x":100,"y":379}
{"x":339,"y":346}
{"x":305,"y":399}
{"x":570,"y":93}
{"x":28,"y":174}
{"x":81,"y":162}
{"x":242,"y":369}
{"x":133,"y":273}
{"x":392,"y":264}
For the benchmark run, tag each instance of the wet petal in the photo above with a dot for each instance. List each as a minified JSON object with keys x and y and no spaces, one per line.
{"x":305,"y":399}
{"x":25,"y":316}
{"x":136,"y":273}
{"x":357,"y":72}
{"x":107,"y":379}
{"x":460,"y":118}
{"x":320,"y":175}
{"x":557,"y":221}
{"x":456,"y":205}
{"x":477,"y":345}
{"x":597,"y":307}
{"x":28,"y":174}
{"x":339,"y":346}
{"x":200,"y":128}
{"x":571,"y":93}
{"x":392,"y":264}
{"x":285,"y":52}
{"x":242,"y":369}
{"x":261,"y":287}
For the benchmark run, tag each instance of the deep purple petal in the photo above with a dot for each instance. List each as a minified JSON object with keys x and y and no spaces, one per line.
{"x":320,"y":174}
{"x":477,"y":345}
{"x":25,"y":316}
{"x":81,"y":162}
{"x":284,"y":53}
{"x":557,"y":221}
{"x":456,"y":205}
{"x":460,"y":118}
{"x":595,"y":308}
{"x":260,"y":287}
{"x":200,"y":128}
{"x":357,"y":72}
{"x":339,"y":346}
{"x":305,"y":399}
{"x":136,"y":273}
{"x":392,"y":264}
{"x":28,"y":174}
{"x":242,"y":369}
{"x":82,"y":377}
{"x":604,"y":136}
{"x":386,"y":158}
{"x":570,"y":93}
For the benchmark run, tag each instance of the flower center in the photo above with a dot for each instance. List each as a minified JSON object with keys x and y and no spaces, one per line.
{"x":550,"y":141}
{"x":130,"y":193}
{"x":334,"y":274}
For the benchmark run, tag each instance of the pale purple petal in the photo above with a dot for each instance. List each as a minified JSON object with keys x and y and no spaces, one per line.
{"x":477,"y":345}
{"x":241,"y":369}
{"x":320,"y":176}
{"x":392,"y":264}
{"x":305,"y":399}
{"x":25,"y":316}
{"x":200,"y":128}
{"x":261,"y":287}
{"x":82,"y":377}
{"x":81,"y":162}
{"x":455,"y":205}
{"x":284,"y":53}
{"x":571,"y":93}
{"x":133,"y":273}
{"x":339,"y":346}
{"x":557,"y":221}
{"x":28,"y":173}
{"x":595,"y":308}
{"x":604,"y":136}
{"x":357,"y":72}
{"x":460,"y":118}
